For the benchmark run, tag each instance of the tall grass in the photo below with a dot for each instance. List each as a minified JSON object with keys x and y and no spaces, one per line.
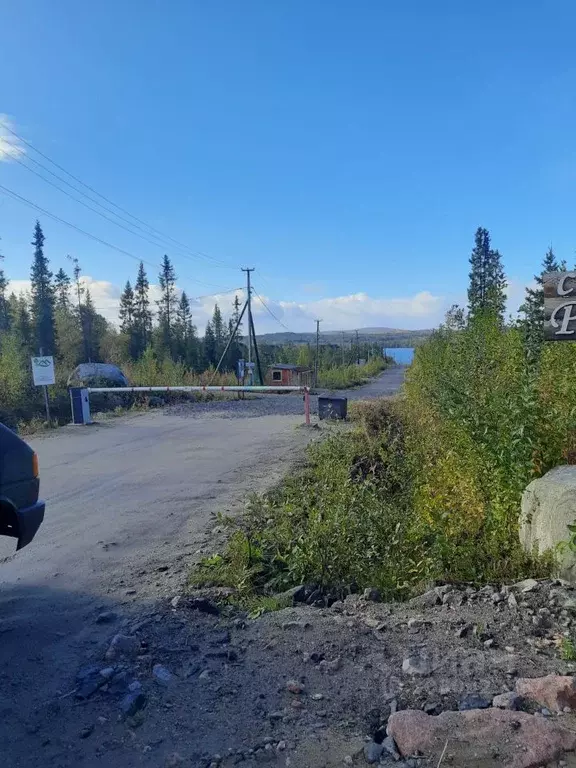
{"x":342,"y":377}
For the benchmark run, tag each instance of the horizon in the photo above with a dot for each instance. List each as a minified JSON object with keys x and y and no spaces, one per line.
{"x":348,"y":156}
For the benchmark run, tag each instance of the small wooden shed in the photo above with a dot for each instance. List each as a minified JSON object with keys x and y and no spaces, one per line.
{"x":286,"y":375}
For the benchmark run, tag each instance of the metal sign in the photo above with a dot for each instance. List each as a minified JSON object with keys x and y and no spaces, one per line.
{"x":559,"y":306}
{"x":43,"y":371}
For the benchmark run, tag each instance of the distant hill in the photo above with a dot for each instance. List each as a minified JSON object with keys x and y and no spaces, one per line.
{"x":392,"y":337}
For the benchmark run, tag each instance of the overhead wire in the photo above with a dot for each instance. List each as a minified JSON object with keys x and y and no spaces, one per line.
{"x":267,"y":308}
{"x":53,"y":216}
{"x":196,"y":253}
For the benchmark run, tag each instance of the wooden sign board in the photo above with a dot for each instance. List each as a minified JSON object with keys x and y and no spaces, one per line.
{"x":559,"y":306}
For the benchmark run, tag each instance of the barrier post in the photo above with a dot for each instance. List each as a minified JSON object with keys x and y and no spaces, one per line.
{"x":307,"y":406}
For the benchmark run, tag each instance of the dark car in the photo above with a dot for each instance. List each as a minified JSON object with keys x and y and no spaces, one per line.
{"x":21,"y":512}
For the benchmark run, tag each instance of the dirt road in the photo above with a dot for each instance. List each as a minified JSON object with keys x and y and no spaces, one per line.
{"x":129,"y":502}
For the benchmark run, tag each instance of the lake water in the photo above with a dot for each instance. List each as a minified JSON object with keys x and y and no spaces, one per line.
{"x":400,"y":355}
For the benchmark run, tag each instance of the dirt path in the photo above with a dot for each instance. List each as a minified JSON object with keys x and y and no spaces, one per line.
{"x":130,"y":503}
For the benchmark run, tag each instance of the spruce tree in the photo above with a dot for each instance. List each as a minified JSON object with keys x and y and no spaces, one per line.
{"x":210,"y":350}
{"x":142,"y":313}
{"x":219,"y":330}
{"x":42,"y":291}
{"x":62,"y":290}
{"x":185,"y":333}
{"x":167,"y":304}
{"x":126,"y":311}
{"x":4,"y":305}
{"x":532,"y":323}
{"x":487,"y":286}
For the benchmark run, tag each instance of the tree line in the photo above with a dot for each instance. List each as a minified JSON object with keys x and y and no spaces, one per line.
{"x":58,"y":317}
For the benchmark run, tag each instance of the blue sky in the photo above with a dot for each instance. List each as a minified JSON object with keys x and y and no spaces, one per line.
{"x":347,"y":150}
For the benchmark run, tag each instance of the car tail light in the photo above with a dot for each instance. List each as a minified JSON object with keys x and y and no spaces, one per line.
{"x":35,"y":467}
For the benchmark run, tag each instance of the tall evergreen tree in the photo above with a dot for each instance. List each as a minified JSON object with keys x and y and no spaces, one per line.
{"x":62,"y":285}
{"x":235,"y":350}
{"x":167,"y":305}
{"x":533,"y":307}
{"x":210,"y":349}
{"x":127,"y":309}
{"x":487,"y":287}
{"x":21,"y":323}
{"x":42,"y":291}
{"x":4,"y":306}
{"x":219,"y":330}
{"x":185,"y":333}
{"x":142,"y":313}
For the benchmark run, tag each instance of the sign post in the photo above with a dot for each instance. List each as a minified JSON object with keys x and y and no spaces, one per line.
{"x":43,"y":375}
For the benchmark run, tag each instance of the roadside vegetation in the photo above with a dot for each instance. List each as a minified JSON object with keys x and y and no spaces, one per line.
{"x":428,"y":485}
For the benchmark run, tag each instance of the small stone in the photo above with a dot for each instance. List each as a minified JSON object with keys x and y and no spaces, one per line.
{"x":416,"y":665}
{"x":295,"y":625}
{"x":317,"y":696}
{"x":293,"y":686}
{"x":107,"y":672}
{"x":528,"y":585}
{"x":373,"y":752}
{"x":489,"y":643}
{"x":507,"y":700}
{"x":427,"y":600}
{"x":373,"y":594}
{"x":474,"y":701}
{"x":175,"y":600}
{"x":330,"y":666}
{"x":497,"y":597}
{"x":133,"y":703}
{"x":463,"y":631}
{"x":123,"y":646}
{"x":509,"y":648}
{"x":415,"y":623}
{"x":162,"y":675}
{"x":204,"y":675}
{"x":85,"y":732}
{"x":281,"y":746}
{"x":296,"y":703}
{"x":348,"y":760}
{"x":107,"y":617}
{"x":389,"y":745}
{"x":135,"y":686}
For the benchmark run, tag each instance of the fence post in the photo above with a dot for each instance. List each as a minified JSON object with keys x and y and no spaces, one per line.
{"x":80,"y":405}
{"x":307,"y":405}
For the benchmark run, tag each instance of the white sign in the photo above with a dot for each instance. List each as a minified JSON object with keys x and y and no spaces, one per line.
{"x":43,"y":371}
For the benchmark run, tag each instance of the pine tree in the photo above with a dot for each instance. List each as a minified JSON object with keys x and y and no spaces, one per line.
{"x":62,"y":285}
{"x":167,"y":305}
{"x":21,"y":323}
{"x":42,"y":291}
{"x":487,"y":287}
{"x":142,"y":313}
{"x":533,"y":308}
{"x":235,"y":350}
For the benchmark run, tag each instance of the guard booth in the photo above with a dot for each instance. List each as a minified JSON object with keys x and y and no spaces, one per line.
{"x":286,"y":375}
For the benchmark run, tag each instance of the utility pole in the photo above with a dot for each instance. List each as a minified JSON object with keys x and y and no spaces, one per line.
{"x":249,"y":304}
{"x":357,"y":349}
{"x":343,"y":351}
{"x":316,"y":362}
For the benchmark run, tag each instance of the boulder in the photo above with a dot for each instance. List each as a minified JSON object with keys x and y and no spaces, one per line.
{"x":553,"y":691}
{"x":548,"y":508}
{"x":491,"y":737}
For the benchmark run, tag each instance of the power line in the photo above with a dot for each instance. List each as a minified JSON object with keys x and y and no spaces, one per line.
{"x":53,"y":216}
{"x":110,"y":202}
{"x":267,"y":308}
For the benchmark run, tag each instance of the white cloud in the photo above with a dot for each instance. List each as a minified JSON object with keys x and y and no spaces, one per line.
{"x":358,"y":310}
{"x":10,"y":146}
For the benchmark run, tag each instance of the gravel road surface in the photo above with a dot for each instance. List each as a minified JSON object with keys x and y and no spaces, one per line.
{"x":129,"y":503}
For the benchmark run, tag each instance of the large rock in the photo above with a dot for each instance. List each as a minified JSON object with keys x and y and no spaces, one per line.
{"x":491,"y":737}
{"x":552,"y":691}
{"x":548,"y":508}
